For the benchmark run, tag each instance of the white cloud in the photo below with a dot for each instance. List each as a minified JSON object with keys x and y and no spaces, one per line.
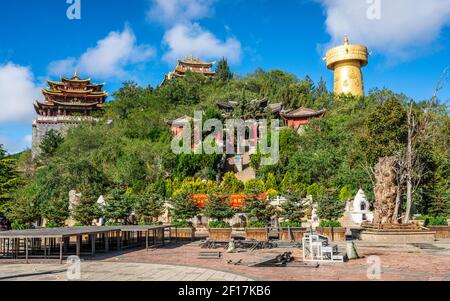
{"x":185,"y":37}
{"x":191,"y":39}
{"x":17,"y":93}
{"x":405,"y":28}
{"x":15,"y":145}
{"x":179,"y":11}
{"x":28,"y":139}
{"x":108,"y":59}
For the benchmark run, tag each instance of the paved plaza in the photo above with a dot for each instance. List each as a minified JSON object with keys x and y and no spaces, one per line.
{"x":180,"y":262}
{"x":114,"y":271}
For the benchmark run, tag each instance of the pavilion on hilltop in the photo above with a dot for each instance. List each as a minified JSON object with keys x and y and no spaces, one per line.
{"x":67,"y":103}
{"x":193,"y":65}
{"x":71,"y":97}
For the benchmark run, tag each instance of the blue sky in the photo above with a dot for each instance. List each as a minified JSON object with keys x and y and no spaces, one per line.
{"x":140,"y":40}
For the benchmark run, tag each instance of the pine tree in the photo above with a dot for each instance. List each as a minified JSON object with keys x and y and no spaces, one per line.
{"x":259,"y":210}
{"x":330,"y":208}
{"x":293,"y":210}
{"x":184,"y":208}
{"x":87,"y":209}
{"x":223,"y":72}
{"x":50,"y":143}
{"x":56,"y":211}
{"x":219,"y":208}
{"x":9,"y":179}
{"x":149,"y":207}
{"x":118,"y":207}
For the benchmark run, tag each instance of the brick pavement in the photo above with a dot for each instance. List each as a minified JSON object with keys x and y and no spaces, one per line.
{"x":180,"y":262}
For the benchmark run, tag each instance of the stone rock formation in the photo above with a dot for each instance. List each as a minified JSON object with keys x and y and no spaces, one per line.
{"x":385,"y":191}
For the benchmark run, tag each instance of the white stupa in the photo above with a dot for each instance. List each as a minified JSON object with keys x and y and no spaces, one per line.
{"x":360,"y":210}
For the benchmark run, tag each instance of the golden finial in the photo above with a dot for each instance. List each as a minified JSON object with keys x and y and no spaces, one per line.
{"x":346,"y":42}
{"x":76,"y":73}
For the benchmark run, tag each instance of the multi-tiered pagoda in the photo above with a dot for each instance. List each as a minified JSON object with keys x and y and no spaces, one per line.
{"x":193,"y":65}
{"x":66,"y":104}
{"x":71,"y":97}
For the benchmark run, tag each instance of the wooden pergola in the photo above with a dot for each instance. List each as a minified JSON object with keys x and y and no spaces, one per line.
{"x":58,"y":242}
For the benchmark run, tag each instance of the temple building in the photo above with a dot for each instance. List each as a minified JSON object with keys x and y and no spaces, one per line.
{"x":193,"y":65}
{"x":298,"y":118}
{"x":66,"y":104}
{"x":257,"y":110}
{"x":293,"y":118}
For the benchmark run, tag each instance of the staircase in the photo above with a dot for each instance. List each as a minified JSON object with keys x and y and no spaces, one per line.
{"x":242,"y":169}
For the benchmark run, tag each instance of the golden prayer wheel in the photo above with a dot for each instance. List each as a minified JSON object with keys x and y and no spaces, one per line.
{"x":347,"y":61}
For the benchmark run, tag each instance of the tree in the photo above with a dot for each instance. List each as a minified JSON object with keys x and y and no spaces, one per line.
{"x":118,"y":207}
{"x":223,"y":72}
{"x":330,"y":208}
{"x":50,"y":143}
{"x":259,"y":209}
{"x":184,"y":208}
{"x":386,"y":131}
{"x":271,"y":182}
{"x":23,"y":211}
{"x":9,"y":179}
{"x":219,"y":208}
{"x":255,"y":187}
{"x":293,"y":210}
{"x":87,"y":208}
{"x":231,"y":184}
{"x":148,"y":207}
{"x":56,"y":211}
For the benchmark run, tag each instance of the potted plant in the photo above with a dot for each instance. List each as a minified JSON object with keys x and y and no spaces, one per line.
{"x":330,"y":209}
{"x":439,"y":225}
{"x":292,"y":211}
{"x":184,"y":208}
{"x":260,"y":212}
{"x":219,"y":208}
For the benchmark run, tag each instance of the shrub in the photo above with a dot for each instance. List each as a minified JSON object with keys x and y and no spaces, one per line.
{"x":19,"y":226}
{"x":218,"y":225}
{"x":182,"y":224}
{"x":436,"y":221}
{"x":256,"y":224}
{"x":330,"y":224}
{"x":53,"y":224}
{"x":291,"y":224}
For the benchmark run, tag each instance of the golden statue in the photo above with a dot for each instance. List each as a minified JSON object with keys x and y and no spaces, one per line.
{"x":347,"y":61}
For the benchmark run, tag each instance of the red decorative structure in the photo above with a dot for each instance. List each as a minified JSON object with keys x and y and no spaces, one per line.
{"x":236,"y":200}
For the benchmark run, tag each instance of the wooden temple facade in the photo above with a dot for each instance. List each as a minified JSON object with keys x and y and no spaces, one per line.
{"x":67,"y":103}
{"x":191,"y":65}
{"x":71,"y":97}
